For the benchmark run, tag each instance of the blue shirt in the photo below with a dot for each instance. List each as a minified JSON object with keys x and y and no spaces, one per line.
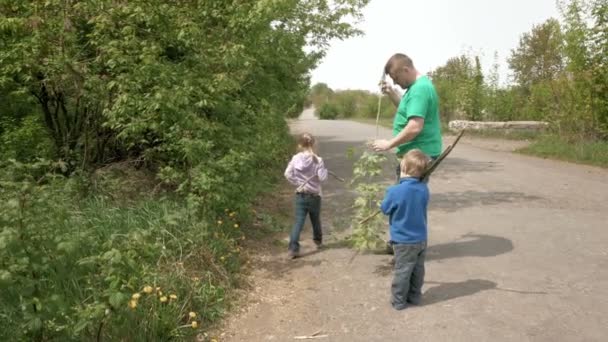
{"x":406,"y":205}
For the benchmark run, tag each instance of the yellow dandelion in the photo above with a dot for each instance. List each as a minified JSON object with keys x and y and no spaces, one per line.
{"x":222,"y":258}
{"x":192,"y":314}
{"x":133,"y":303}
{"x":148,"y":289}
{"x":226,"y":210}
{"x":135,"y":296}
{"x":232,"y":214}
{"x":160,"y":293}
{"x":163,"y":299}
{"x":194,"y":324}
{"x":196,"y":278}
{"x":172,"y":296}
{"x":157,"y":289}
{"x":236,"y":225}
{"x":219,"y":222}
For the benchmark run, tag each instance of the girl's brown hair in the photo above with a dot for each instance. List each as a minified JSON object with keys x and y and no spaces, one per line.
{"x":306,"y":140}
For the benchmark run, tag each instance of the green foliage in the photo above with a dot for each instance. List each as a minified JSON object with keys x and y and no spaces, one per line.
{"x":319,"y":94}
{"x":348,"y":103}
{"x":69,"y":268}
{"x":367,"y":235}
{"x":195,"y":92}
{"x":460,"y":86}
{"x":575,"y":150}
{"x":114,"y":81}
{"x":539,"y":56}
{"x":24,"y":140}
{"x":560,"y":73}
{"x":327,"y":111}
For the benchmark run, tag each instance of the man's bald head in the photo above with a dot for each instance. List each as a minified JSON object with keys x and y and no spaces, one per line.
{"x":401,"y":69}
{"x":398,"y":60}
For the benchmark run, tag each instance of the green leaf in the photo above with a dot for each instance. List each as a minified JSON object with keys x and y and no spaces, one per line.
{"x":118,"y":299}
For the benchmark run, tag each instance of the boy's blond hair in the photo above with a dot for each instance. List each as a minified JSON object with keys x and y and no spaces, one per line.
{"x":414,"y":163}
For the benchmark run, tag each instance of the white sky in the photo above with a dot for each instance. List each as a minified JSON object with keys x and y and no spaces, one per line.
{"x":430,"y":32}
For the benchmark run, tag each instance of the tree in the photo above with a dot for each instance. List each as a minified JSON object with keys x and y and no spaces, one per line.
{"x":539,"y":56}
{"x":320,"y":93}
{"x":477,"y":92}
{"x":142,"y":77}
{"x":586,"y":44}
{"x":460,"y":87}
{"x":599,"y":64}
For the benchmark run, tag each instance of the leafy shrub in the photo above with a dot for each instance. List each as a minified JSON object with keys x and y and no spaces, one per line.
{"x":74,"y":270}
{"x":328,"y":111}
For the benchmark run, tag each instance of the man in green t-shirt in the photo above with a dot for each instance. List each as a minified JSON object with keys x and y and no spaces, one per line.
{"x":416,"y":123}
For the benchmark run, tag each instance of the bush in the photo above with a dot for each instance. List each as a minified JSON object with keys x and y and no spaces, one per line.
{"x":86,"y":269}
{"x":25,"y":139}
{"x":348,"y":103}
{"x":328,"y":111}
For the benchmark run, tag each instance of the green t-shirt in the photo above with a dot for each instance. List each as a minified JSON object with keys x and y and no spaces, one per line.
{"x":420,"y":100}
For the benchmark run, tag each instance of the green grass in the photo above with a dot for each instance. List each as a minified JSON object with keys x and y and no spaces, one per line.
{"x":70,"y":265}
{"x":584,"y":152}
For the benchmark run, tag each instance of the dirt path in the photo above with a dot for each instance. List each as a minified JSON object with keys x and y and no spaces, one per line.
{"x":518,"y":252}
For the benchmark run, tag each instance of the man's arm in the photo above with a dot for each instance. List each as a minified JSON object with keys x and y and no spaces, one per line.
{"x":395,"y":97}
{"x":409,"y":132}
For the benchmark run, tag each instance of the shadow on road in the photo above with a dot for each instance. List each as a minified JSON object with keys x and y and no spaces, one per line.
{"x":453,"y":201}
{"x":447,"y":291}
{"x":454,"y":166}
{"x":474,"y":245}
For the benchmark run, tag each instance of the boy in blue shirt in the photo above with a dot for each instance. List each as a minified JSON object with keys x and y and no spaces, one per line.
{"x":406,"y":204}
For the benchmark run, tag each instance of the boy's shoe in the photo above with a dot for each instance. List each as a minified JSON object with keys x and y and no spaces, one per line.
{"x":413,"y":302}
{"x":292,"y":254}
{"x":319,"y":245}
{"x":398,"y":307}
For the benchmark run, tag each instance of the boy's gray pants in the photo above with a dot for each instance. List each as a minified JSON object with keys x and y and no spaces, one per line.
{"x":409,"y":274}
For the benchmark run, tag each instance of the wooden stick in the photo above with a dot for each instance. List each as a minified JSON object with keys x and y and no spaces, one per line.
{"x":313,"y":176}
{"x":382,"y":79}
{"x":336,"y":176}
{"x":309,"y":337}
{"x":370,"y":217}
{"x":305,"y":182}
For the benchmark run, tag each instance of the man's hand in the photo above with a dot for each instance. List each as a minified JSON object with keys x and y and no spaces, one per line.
{"x":392,"y":93}
{"x":381,"y":145}
{"x":386,"y":88}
